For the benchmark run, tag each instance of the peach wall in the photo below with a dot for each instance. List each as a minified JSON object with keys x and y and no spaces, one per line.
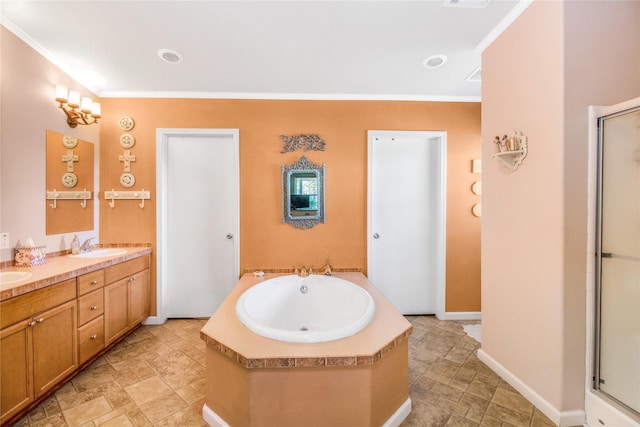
{"x":265,"y":241}
{"x":534,"y":228}
{"x":27,"y":110}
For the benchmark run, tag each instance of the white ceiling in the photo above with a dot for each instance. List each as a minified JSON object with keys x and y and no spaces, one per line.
{"x":282,"y":49}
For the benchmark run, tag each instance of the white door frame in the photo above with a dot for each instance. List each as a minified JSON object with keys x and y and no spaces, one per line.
{"x":162,"y":144}
{"x":441,"y":229}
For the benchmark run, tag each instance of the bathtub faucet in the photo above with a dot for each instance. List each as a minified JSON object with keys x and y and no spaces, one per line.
{"x":327,"y":269}
{"x":303,"y":271}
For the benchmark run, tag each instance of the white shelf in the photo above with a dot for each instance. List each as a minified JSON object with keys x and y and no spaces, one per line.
{"x":511,"y":159}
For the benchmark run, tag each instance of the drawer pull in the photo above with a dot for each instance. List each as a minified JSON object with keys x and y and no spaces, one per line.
{"x":94,"y":282}
{"x":32,"y":323}
{"x":40,"y":320}
{"x":94,"y":336}
{"x":94,"y":307}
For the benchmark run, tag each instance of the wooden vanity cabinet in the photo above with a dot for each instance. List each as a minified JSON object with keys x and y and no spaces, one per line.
{"x":38,"y":342}
{"x":90,"y":315}
{"x":126,"y":297}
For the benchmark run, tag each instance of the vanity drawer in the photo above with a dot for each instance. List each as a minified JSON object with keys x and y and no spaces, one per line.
{"x":126,"y":268}
{"x":90,"y":339}
{"x":24,"y":306}
{"x":90,"y":306}
{"x":90,"y":282}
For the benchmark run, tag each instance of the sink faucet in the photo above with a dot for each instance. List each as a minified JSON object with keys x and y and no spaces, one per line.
{"x":86,"y":247}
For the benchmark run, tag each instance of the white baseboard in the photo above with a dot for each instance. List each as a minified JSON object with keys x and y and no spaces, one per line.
{"x":212,"y":418}
{"x":154,"y":320}
{"x":398,"y":417}
{"x":461,"y":315}
{"x":561,"y":418}
{"x":394,"y":420}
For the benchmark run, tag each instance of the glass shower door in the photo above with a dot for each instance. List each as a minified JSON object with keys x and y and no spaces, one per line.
{"x":617,"y":371}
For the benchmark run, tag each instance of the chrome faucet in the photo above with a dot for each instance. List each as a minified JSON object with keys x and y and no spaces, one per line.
{"x":85,"y":246}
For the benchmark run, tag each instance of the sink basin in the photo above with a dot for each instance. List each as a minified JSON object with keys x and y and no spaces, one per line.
{"x":101,"y":253}
{"x":11,"y":277}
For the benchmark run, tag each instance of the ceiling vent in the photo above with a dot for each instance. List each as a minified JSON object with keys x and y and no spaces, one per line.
{"x":475,"y":76}
{"x":466,"y":3}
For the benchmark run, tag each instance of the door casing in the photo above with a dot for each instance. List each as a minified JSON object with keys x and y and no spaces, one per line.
{"x":440,"y":213}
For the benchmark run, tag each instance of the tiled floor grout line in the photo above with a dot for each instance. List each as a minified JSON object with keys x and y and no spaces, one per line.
{"x":448,"y":385}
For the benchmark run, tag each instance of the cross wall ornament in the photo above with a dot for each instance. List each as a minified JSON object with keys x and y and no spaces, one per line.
{"x":126,"y":159}
{"x":70,"y":158}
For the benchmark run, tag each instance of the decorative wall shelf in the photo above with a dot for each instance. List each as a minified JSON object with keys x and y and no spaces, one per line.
{"x":127,"y":195}
{"x":515,"y":150}
{"x":68,"y":195}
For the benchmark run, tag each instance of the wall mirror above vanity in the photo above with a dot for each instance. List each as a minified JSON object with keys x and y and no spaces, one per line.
{"x":303,"y":194}
{"x":70,"y":178}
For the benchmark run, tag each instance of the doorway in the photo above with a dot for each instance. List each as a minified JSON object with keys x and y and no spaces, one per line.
{"x":198,"y":220}
{"x":406,"y":219}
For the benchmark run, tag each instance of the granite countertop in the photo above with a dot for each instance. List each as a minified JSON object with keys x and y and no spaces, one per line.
{"x":64,"y":267}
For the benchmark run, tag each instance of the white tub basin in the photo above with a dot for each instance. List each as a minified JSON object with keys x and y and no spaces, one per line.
{"x":305,"y":310}
{"x":97,"y":253}
{"x":11,"y":277}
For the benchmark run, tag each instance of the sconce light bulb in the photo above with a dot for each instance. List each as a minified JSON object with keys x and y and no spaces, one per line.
{"x":74,"y":99}
{"x":86,"y":104}
{"x":62,"y":93}
{"x":96,"y":110}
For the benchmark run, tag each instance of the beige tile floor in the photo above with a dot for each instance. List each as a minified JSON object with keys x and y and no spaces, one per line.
{"x":156,"y":377}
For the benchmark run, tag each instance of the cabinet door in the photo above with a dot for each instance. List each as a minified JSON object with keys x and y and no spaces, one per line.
{"x":116,"y":310}
{"x":16,"y":388}
{"x":139,"y":297}
{"x":55,"y":351}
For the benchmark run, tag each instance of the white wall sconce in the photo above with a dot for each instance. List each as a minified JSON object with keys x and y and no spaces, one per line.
{"x":79,"y":111}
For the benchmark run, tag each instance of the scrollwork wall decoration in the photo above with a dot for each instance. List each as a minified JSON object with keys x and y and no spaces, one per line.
{"x":306,"y":142}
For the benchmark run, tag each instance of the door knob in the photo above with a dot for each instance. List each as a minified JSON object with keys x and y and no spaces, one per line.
{"x":376,"y":236}
{"x":229,"y":236}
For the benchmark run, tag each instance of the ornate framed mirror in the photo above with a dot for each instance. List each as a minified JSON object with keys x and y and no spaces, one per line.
{"x":303,"y":194}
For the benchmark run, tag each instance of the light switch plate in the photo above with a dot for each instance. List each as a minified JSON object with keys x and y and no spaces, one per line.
{"x":476,"y":166}
{"x":4,"y":240}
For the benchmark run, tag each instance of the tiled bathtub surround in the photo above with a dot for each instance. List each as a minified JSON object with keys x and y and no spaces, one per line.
{"x":155,"y":377}
{"x":298,"y":362}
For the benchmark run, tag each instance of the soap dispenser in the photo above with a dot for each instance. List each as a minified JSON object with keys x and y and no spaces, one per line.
{"x":75,"y":245}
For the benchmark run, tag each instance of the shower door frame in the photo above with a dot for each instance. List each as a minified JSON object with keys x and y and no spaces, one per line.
{"x":600,"y":409}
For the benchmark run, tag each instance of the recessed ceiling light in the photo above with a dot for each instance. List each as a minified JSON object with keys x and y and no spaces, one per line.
{"x":170,"y":55}
{"x":434,"y":61}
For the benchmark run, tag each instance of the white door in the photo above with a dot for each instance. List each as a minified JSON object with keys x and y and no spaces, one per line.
{"x":406,"y":223}
{"x":200,"y":242}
